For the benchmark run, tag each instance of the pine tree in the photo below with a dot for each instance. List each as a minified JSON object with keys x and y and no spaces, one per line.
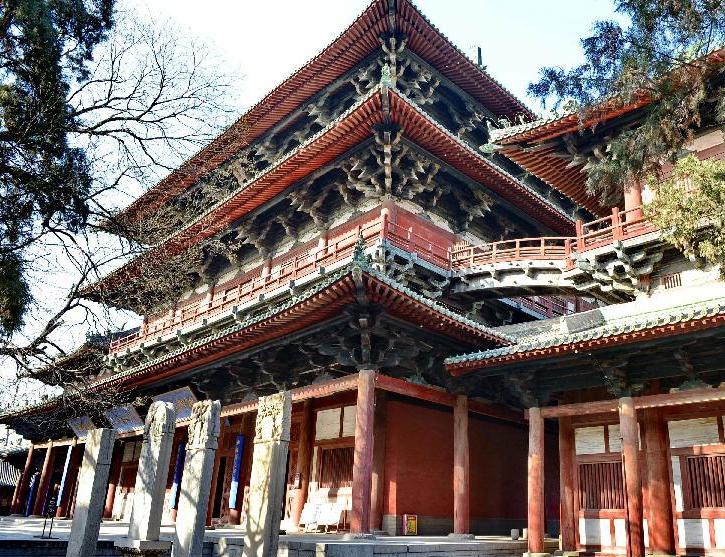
{"x":668,"y":57}
{"x":45,"y":46}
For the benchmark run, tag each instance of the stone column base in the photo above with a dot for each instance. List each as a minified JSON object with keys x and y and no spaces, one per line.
{"x":147,"y":548}
{"x":461,"y":536}
{"x":358,"y":536}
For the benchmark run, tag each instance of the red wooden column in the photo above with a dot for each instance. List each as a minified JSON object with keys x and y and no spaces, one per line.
{"x":44,"y":482}
{"x":632,"y":481}
{"x":304,"y":461}
{"x":632,"y":200}
{"x":378,"y":478}
{"x":21,"y":489}
{"x":567,"y":463}
{"x":113,"y":479}
{"x":461,"y":518}
{"x":661,"y":529}
{"x":536,"y":481}
{"x":362,"y":467}
{"x":214,"y":479}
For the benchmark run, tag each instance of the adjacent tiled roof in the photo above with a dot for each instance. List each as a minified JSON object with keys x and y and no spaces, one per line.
{"x":598,"y":328}
{"x":526,"y":144}
{"x":353,"y":45}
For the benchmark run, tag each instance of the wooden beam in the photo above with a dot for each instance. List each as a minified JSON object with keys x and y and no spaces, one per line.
{"x":680,"y":398}
{"x":437,"y":395}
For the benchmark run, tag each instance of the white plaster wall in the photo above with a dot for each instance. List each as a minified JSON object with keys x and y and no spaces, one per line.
{"x":589,"y":440}
{"x":327,"y":424}
{"x":595,"y":531}
{"x":693,"y":532}
{"x":615,"y":438}
{"x":719,"y":533}
{"x":698,"y":431}
{"x":348,"y":421}
{"x":620,"y":533}
{"x":677,"y":483}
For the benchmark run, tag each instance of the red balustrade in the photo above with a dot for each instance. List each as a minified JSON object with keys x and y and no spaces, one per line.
{"x":403,"y":230}
{"x":300,"y":263}
{"x":466,"y":256}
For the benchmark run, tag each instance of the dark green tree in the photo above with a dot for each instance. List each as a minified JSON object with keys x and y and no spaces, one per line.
{"x":93,"y":104}
{"x":669,"y":57}
{"x":45,"y":47}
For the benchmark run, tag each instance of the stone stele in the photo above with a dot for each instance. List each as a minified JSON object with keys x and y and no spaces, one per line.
{"x":196,"y":480}
{"x":266,"y":486}
{"x":153,"y":469}
{"x":91,"y":497}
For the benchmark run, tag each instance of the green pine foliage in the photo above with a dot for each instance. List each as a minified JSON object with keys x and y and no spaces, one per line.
{"x":663,"y":59}
{"x":690,"y":208}
{"x":45,"y":180}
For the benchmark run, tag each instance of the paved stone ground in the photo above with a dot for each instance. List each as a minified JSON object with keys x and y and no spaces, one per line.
{"x":18,"y":528}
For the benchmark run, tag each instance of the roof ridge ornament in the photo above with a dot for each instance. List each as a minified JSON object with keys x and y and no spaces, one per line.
{"x":360,"y":259}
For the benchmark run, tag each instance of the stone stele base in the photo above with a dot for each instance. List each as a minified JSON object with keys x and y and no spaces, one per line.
{"x":129,"y":548}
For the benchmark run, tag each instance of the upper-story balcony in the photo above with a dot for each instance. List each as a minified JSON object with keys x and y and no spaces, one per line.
{"x":401,"y":229}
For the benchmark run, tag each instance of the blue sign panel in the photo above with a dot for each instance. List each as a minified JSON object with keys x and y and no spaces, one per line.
{"x":81,"y":426}
{"x":236,"y":471}
{"x":124,"y":418}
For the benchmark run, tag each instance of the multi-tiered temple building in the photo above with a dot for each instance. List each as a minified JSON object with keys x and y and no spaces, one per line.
{"x":466,"y":334}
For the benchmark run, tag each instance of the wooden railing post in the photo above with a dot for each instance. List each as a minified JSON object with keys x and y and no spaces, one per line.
{"x":567,"y":253}
{"x":579,"y":235}
{"x":617,"y":233}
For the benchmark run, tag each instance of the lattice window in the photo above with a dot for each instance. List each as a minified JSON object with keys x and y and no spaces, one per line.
{"x":336,"y":467}
{"x":707,"y":481}
{"x":672,"y":281}
{"x":601,"y":486}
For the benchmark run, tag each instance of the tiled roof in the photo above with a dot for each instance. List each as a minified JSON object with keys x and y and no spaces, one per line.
{"x":485,"y":162}
{"x":358,"y":41}
{"x":358,"y":264}
{"x":500,"y":134}
{"x":599,"y":324}
{"x":351,"y":127}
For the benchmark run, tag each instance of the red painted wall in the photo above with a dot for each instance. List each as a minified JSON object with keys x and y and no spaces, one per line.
{"x":419,"y":461}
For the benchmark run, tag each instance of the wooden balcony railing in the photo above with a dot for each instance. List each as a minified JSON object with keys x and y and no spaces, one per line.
{"x":466,"y":256}
{"x":297,"y":264}
{"x":405,"y":231}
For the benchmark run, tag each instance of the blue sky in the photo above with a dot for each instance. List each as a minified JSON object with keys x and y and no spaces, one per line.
{"x":266,"y":41}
